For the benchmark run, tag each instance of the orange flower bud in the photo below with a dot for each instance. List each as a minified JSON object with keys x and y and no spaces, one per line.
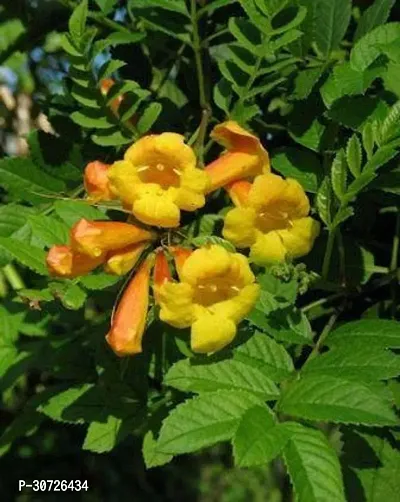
{"x":105,"y":86}
{"x":239,"y":191}
{"x":122,"y":261}
{"x":97,"y":237}
{"x":62,"y":261}
{"x":95,"y":181}
{"x":180,"y":256}
{"x":129,"y":321}
{"x":245,"y":156}
{"x":161,"y":272}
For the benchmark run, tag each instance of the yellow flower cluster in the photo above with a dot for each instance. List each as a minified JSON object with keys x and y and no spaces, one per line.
{"x":214,"y":289}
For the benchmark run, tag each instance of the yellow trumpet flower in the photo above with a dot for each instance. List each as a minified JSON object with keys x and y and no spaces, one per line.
{"x":271,"y":218}
{"x":158,"y":178}
{"x":216,"y":291}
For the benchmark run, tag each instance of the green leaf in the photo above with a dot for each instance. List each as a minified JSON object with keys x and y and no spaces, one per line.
{"x":346,"y":81}
{"x":177,"y":6}
{"x":369,"y":47}
{"x":326,"y":398}
{"x":103,"y":436}
{"x":355,"y":360}
{"x":71,"y":296}
{"x":258,"y":440}
{"x":49,"y":230}
{"x":324,"y":201}
{"x":246,"y":34}
{"x":376,"y":15}
{"x":378,"y":470}
{"x":255,"y":16}
{"x":13,"y":217}
{"x":313,"y":466}
{"x":111,"y":138}
{"x":371,"y":332}
{"x":148,"y":118}
{"x":354,"y":155}
{"x":331,"y":22}
{"x":30,"y":256}
{"x":355,"y":111}
{"x":71,"y":211}
{"x":206,"y":240}
{"x":152,"y":457}
{"x":77,"y":21}
{"x":24,"y":181}
{"x":305,"y":82}
{"x":339,"y":174}
{"x":368,"y":139}
{"x":204,"y":421}
{"x":91,"y":119}
{"x":265,"y":354}
{"x":302,"y":165}
{"x":99,"y":281}
{"x":222,"y":95}
{"x":71,"y":405}
{"x":192,"y":376}
{"x":106,"y":5}
{"x":391,"y":125}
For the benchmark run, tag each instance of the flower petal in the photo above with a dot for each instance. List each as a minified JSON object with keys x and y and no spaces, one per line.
{"x":96,"y":181}
{"x":167,"y":148}
{"x":180,"y":256}
{"x":238,"y":307}
{"x":161,"y":272}
{"x":232,"y":166}
{"x":193,"y":186}
{"x":62,"y":261}
{"x":122,"y":261}
{"x":239,"y":192}
{"x":96,"y":237}
{"x":176,"y":304}
{"x":129,"y":321}
{"x":124,"y":181}
{"x":155,"y":206}
{"x":204,"y":263}
{"x":268,"y":249}
{"x":211,"y":332}
{"x":299,"y":239}
{"x":239,"y":227}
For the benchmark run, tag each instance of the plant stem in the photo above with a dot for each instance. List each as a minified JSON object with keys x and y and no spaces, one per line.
{"x":328,"y":254}
{"x":205,"y":106}
{"x":394,"y":262}
{"x":325,"y":332}
{"x":13,"y":277}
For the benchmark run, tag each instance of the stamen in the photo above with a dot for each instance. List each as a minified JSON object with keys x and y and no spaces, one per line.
{"x":177,"y":172}
{"x":200,"y":286}
{"x":142,"y":168}
{"x":213,"y":288}
{"x":235,"y":288}
{"x":160,"y":167}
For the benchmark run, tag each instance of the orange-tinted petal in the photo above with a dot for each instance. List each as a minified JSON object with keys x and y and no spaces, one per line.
{"x":161,"y":272}
{"x":129,"y":321}
{"x":180,"y":256}
{"x":62,"y":261}
{"x":246,"y":156}
{"x":239,"y":192}
{"x":96,"y":181}
{"x":122,"y":261}
{"x":96,"y":237}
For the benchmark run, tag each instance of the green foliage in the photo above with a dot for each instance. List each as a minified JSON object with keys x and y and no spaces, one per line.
{"x":306,"y":395}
